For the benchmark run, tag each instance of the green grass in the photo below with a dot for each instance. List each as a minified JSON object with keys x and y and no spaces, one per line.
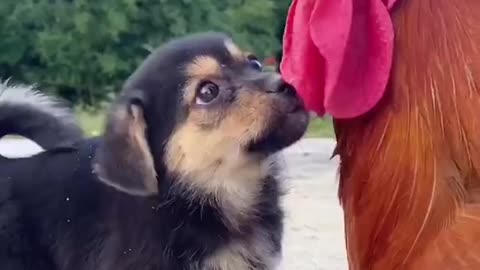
{"x":320,"y":128}
{"x":92,"y":122}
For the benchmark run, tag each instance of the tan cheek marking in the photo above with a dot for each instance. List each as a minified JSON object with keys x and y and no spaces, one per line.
{"x":249,"y":117}
{"x":214,"y":167}
{"x":207,"y":118}
{"x":192,"y":150}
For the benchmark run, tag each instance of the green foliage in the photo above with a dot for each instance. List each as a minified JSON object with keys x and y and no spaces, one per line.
{"x":281,"y":12}
{"x":84,"y":49}
{"x":320,"y":128}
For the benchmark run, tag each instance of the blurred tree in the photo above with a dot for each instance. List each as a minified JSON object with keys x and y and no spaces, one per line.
{"x":281,"y":14}
{"x":253,"y":25}
{"x":84,"y":49}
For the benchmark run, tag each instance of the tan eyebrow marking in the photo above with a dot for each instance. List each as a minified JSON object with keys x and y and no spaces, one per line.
{"x":234,"y":50}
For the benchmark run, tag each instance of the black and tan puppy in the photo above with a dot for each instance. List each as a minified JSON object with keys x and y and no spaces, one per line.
{"x":183,"y":178}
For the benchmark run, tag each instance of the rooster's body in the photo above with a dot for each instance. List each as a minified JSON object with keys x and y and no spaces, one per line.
{"x":410,"y":165}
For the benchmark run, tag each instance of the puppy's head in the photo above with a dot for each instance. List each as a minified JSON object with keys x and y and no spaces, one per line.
{"x":201,"y":109}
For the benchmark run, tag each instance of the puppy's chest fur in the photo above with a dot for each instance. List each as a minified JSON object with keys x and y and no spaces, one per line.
{"x":200,"y":233}
{"x":241,"y":196}
{"x":257,"y":252}
{"x":243,"y":231}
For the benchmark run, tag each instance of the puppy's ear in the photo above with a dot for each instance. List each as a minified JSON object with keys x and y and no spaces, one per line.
{"x":124,"y":160}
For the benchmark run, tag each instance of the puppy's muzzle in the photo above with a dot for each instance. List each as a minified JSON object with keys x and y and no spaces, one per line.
{"x":289,"y":118}
{"x":279,"y":87}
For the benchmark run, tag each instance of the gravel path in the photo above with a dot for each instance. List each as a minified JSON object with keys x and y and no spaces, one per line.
{"x":314,"y":237}
{"x":314,"y":226}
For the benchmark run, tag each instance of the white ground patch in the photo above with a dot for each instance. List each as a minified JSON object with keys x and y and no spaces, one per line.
{"x":314,"y":236}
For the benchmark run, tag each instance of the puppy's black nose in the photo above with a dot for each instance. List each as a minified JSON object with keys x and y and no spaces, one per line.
{"x":279,"y":86}
{"x":287,"y":89}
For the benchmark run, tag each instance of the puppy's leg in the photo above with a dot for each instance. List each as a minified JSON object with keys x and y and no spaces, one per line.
{"x":18,"y":251}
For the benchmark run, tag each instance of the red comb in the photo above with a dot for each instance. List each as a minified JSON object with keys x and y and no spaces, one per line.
{"x":338,"y":53}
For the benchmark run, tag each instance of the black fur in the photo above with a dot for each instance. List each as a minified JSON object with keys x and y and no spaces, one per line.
{"x":55,"y":214}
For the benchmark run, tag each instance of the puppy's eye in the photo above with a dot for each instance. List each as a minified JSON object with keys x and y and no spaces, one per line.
{"x":255,"y":64}
{"x":206,"y":93}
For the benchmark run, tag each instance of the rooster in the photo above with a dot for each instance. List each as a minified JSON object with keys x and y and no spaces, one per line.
{"x":401,"y":80}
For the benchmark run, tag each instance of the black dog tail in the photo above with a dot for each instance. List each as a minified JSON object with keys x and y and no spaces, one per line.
{"x":26,"y":112}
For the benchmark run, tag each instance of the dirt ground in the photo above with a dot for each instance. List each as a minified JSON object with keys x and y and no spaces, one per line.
{"x":314,"y":237}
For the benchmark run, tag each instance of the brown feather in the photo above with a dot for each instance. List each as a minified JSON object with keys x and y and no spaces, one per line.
{"x":410,"y":168}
